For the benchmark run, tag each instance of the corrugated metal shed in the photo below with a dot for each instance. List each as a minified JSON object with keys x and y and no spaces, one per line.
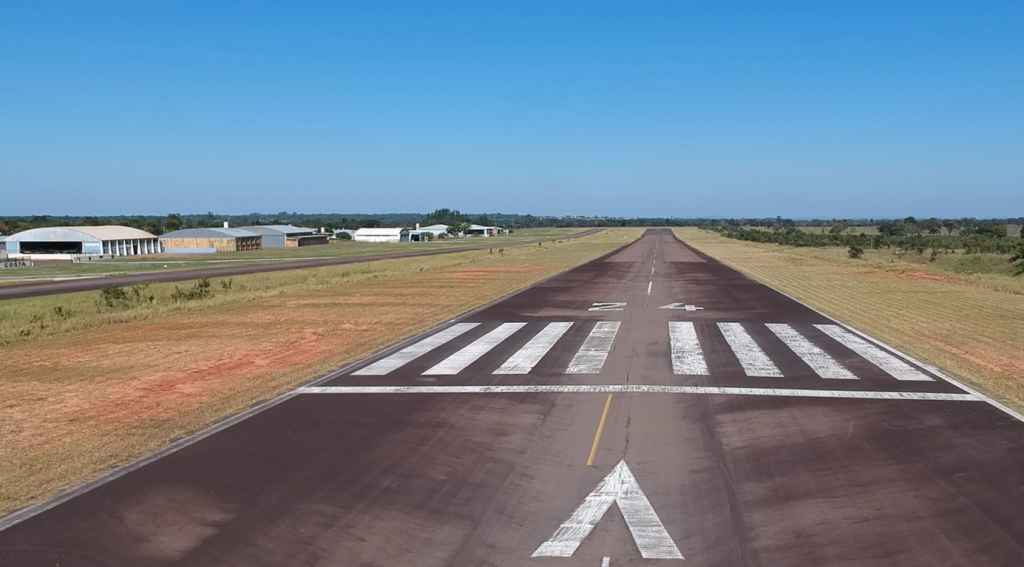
{"x":379,"y":231}
{"x":209,"y":233}
{"x":79,"y":233}
{"x":285,"y":229}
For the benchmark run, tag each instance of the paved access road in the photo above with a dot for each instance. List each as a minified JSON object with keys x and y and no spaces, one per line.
{"x":71,"y":285}
{"x":646,"y":407}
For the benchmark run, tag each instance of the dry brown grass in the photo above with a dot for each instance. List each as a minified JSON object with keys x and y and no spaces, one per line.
{"x":972,"y":326}
{"x":101,"y":389}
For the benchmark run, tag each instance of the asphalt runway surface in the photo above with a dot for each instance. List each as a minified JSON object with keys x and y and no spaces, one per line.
{"x":648,"y":408}
{"x":35,"y":289}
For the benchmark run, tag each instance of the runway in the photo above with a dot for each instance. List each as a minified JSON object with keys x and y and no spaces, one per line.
{"x":653,"y":407}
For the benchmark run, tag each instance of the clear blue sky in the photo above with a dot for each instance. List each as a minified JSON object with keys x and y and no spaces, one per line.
{"x":622,"y":108}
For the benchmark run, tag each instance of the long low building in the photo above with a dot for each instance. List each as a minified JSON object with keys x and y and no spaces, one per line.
{"x":210,"y":240}
{"x":286,"y":235}
{"x":70,"y":242}
{"x":381,"y":235}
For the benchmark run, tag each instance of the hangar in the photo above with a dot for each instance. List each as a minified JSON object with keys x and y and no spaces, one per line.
{"x":381,"y":235}
{"x":480,"y":230}
{"x":286,"y":235}
{"x":69,"y":242}
{"x":209,"y":240}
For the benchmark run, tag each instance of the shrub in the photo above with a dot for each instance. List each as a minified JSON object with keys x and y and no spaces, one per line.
{"x":1018,"y":259}
{"x":199,"y":290}
{"x":855,"y":252}
{"x":114,"y":298}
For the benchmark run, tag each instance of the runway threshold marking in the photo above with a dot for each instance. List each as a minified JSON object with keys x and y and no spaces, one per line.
{"x":414,"y":351}
{"x":890,"y":364}
{"x":532,"y":352}
{"x":687,"y":356}
{"x":599,"y":431}
{"x":753,"y":360}
{"x":642,"y":389}
{"x":590,"y":357}
{"x":469,"y":354}
{"x":618,"y":487}
{"x":820,"y":362}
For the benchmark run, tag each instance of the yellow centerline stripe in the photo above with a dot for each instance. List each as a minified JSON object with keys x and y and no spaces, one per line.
{"x":600,"y":430}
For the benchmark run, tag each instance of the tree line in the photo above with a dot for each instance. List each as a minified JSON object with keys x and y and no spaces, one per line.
{"x":939,"y":236}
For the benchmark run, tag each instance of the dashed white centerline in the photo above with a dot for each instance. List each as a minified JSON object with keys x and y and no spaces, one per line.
{"x":650,"y":286}
{"x":642,"y":389}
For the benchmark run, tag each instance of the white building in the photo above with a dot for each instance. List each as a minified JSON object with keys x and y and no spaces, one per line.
{"x":480,"y":230}
{"x":432,"y":232}
{"x":70,"y":242}
{"x":381,"y":235}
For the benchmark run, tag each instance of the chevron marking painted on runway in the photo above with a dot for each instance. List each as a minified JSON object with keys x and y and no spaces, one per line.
{"x":619,"y":487}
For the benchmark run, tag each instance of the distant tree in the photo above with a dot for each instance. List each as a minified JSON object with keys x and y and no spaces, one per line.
{"x":172,"y":222}
{"x":891,"y":228}
{"x":950,"y":225}
{"x":839,"y":228}
{"x":444,"y":216}
{"x":456,"y":228}
{"x":1018,"y":259}
{"x":931,"y":226}
{"x":855,"y":252}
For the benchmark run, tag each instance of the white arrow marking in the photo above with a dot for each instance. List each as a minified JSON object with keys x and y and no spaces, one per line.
{"x":682,"y":306}
{"x":619,"y":487}
{"x":608,"y":306}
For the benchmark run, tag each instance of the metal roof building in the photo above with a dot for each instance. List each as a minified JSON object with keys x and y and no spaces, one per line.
{"x":286,"y":235}
{"x":209,"y":240}
{"x":381,"y":235}
{"x":67,"y":242}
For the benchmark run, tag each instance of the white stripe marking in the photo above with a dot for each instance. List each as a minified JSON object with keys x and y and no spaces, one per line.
{"x":642,"y":389}
{"x":650,"y":285}
{"x":754,"y":361}
{"x":687,"y":357}
{"x":606,"y":561}
{"x":414,"y":351}
{"x":523,"y":361}
{"x":619,"y":487}
{"x":467,"y":355}
{"x":890,"y":364}
{"x":820,"y":362}
{"x":592,"y":354}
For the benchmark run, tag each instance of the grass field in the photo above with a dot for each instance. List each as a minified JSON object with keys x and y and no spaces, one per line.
{"x":969,"y":324}
{"x":87,"y":388}
{"x":335,"y":249}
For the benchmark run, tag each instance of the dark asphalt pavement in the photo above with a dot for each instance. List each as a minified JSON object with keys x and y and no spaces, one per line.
{"x":745,"y":429}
